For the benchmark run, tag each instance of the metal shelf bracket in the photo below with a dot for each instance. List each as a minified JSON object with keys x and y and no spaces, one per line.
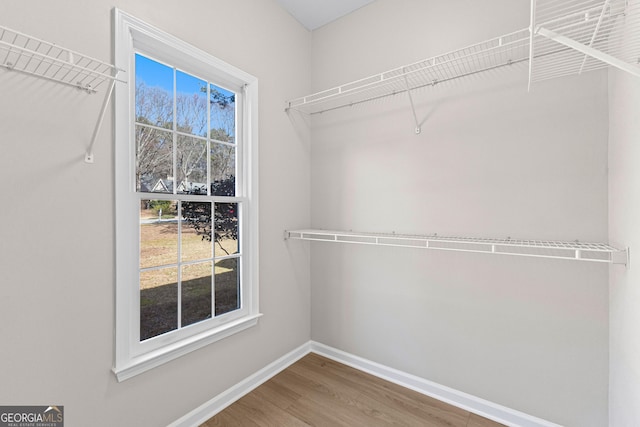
{"x":418,"y":129}
{"x":621,"y":257}
{"x":589,"y":51}
{"x":88,"y":158}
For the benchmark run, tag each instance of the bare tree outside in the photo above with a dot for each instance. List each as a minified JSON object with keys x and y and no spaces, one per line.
{"x":154,"y":160}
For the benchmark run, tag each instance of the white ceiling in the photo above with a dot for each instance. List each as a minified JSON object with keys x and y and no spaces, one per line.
{"x":315,"y":13}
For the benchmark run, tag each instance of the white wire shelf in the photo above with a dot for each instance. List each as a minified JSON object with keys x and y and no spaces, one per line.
{"x":499,"y":52}
{"x":568,"y":37}
{"x":22,"y":53}
{"x":27,"y":54}
{"x":576,"y":36}
{"x":594,"y":252}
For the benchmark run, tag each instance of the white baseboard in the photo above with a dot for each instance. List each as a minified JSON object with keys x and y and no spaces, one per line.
{"x":453,"y":397}
{"x":226,"y":398}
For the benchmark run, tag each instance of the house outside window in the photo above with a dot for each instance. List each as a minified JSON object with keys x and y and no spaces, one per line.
{"x":186,"y":198}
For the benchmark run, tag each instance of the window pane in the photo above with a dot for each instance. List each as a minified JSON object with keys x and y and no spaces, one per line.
{"x":154,"y":160}
{"x":226,"y":223}
{"x":154,"y":93}
{"x":223,"y":170}
{"x":192,"y":165}
{"x":223,"y":115}
{"x":227,"y":284}
{"x":158,"y":233}
{"x":196,"y":231}
{"x":196,"y":292}
{"x":158,"y":302}
{"x":191,"y":104}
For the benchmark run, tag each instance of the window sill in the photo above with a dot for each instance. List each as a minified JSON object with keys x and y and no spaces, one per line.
{"x":143,"y":363}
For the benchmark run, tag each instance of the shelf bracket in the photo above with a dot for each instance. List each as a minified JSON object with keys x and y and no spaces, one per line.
{"x":594,"y":53}
{"x":418,"y":128}
{"x":88,"y":158}
{"x":621,"y":257}
{"x":595,"y":33}
{"x":532,"y":33}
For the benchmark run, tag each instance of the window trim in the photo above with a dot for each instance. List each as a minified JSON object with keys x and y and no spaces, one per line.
{"x":132,"y":357}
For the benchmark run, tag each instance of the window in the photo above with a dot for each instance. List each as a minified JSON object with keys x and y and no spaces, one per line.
{"x":186,"y":220}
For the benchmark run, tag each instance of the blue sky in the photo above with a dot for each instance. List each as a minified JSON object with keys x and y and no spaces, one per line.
{"x":156,"y":74}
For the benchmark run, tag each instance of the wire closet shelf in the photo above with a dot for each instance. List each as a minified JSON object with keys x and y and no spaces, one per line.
{"x":506,"y":50}
{"x":27,"y":54}
{"x":574,"y":36}
{"x":594,"y":252}
{"x":565,"y":37}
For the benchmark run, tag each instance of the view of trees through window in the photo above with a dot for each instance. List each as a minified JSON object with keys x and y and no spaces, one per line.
{"x":185,"y":145}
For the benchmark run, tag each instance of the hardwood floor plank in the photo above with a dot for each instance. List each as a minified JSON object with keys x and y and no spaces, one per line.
{"x":478,"y":421}
{"x":326,"y":377}
{"x":316,"y":391}
{"x":304,"y":385}
{"x":319,"y":404}
{"x":412,"y":415}
{"x":320,"y":409}
{"x":231,"y":416}
{"x":255,"y":411}
{"x":390,"y":394}
{"x":277,"y":394}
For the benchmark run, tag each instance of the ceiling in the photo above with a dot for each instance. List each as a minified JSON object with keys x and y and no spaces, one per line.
{"x":316,"y":13}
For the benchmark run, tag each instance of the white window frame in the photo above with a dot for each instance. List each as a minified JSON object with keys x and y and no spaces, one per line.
{"x":133,"y":357}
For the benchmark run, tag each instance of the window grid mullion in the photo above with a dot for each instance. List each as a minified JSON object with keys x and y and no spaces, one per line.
{"x":239,"y":136}
{"x":213,"y":205}
{"x":231,"y":256}
{"x":227,"y":143}
{"x":179,"y":265}
{"x":175,"y":134}
{"x":175,"y":191}
{"x":213,"y":260}
{"x":208,"y":138}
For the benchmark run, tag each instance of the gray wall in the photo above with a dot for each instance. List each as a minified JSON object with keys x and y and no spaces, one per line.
{"x":57,"y":219}
{"x":624,"y":229}
{"x":492,"y":161}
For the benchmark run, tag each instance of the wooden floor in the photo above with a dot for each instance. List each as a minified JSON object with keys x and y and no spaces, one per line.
{"x":316,"y":391}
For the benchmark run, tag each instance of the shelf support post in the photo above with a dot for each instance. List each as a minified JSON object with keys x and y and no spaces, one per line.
{"x":532,"y":32}
{"x":595,"y":33}
{"x":88,"y":158}
{"x":413,"y":107}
